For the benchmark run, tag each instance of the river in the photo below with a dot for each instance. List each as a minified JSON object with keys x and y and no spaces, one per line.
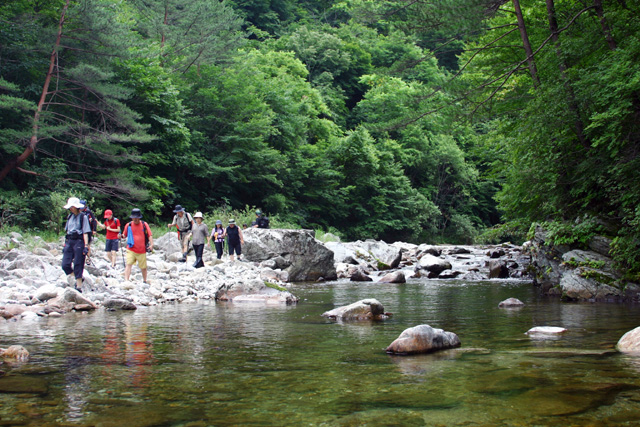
{"x":220,"y":364}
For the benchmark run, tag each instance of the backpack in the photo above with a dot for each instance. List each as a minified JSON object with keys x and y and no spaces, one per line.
{"x":189,"y":220}
{"x":146,"y":234}
{"x":263,"y":222}
{"x":93,"y":222}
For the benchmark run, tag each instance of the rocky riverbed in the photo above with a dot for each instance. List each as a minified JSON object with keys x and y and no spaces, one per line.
{"x":33,"y":283}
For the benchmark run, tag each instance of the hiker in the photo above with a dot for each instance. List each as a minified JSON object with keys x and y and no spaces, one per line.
{"x":218,"y":235}
{"x":199,"y":233}
{"x":112,"y":225}
{"x":184,"y":223}
{"x":261,"y":220}
{"x":93,"y":222}
{"x":139,"y":241}
{"x":76,"y":244}
{"x":234,"y":239}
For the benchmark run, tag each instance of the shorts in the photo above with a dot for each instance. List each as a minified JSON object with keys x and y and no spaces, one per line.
{"x":132,"y":257}
{"x":237,"y":247}
{"x":112,"y":245}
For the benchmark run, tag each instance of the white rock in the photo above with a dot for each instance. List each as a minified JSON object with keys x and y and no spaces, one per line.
{"x":546,"y":330}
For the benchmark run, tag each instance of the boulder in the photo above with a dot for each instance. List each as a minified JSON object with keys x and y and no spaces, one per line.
{"x":359,"y":275}
{"x":366,"y":309}
{"x":342,"y":253}
{"x":585,"y":284}
{"x":423,"y":339}
{"x":168,"y":243}
{"x":601,"y":245}
{"x":306,"y":258}
{"x":498,"y":269}
{"x":46,"y":292}
{"x":119,"y":304}
{"x":232,"y":290}
{"x":395,"y":277}
{"x":630,"y":342}
{"x":17,"y":352}
{"x":428,"y":249}
{"x":511,"y":302}
{"x":384,"y":255}
{"x":433,"y":265}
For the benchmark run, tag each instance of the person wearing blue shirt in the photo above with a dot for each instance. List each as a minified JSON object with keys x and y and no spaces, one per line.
{"x":76,"y":244}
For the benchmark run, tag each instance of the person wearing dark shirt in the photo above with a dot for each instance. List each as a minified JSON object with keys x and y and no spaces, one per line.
{"x":234,"y":239}
{"x":76,"y":244}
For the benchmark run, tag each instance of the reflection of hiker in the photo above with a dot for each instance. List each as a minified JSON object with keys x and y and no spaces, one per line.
{"x":112,"y":225}
{"x":218,"y":235}
{"x":76,"y":244}
{"x":261,"y":220}
{"x":183,"y":222}
{"x":234,"y":239}
{"x":139,"y":240}
{"x":200,"y":233}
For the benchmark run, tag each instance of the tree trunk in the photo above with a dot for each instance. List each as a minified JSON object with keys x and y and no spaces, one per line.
{"x":605,"y":25}
{"x":573,"y":103}
{"x":15,"y":163}
{"x":527,"y":46}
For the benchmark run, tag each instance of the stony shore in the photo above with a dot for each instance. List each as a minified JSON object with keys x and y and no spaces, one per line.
{"x":33,"y":283}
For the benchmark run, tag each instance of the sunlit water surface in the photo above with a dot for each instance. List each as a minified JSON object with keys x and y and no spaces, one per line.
{"x":229,"y":365}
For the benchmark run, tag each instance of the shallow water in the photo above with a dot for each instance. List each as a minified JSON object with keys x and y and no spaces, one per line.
{"x":229,"y":365}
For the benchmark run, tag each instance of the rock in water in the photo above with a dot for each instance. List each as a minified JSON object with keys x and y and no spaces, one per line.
{"x":511,"y":302}
{"x":361,"y":310}
{"x":423,"y":339}
{"x":395,"y":277}
{"x":17,"y":352}
{"x":546,"y":330}
{"x":119,"y":304}
{"x":630,"y":342}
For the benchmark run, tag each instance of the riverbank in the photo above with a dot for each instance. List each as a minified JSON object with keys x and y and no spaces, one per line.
{"x":33,"y":284}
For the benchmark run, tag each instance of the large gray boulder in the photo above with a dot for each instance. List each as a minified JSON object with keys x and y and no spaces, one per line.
{"x":168,"y":243}
{"x":366,"y":309}
{"x":297,"y":252}
{"x":630,"y":342}
{"x":423,"y":339}
{"x":433,"y":265}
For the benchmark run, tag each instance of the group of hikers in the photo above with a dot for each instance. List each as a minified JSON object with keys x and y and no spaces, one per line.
{"x":82,"y":225}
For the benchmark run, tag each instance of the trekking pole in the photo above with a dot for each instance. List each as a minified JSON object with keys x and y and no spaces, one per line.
{"x":124,"y":264}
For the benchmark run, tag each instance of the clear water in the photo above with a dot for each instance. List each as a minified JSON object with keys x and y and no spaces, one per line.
{"x":221,"y":364}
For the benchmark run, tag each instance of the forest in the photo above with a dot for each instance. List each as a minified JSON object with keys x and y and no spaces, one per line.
{"x":417,"y":120}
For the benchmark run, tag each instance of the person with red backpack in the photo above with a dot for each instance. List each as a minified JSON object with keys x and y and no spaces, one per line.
{"x":112,"y":224}
{"x":139,"y":242}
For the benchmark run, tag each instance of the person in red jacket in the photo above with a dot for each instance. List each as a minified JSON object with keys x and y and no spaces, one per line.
{"x":139,"y":238}
{"x":112,"y":225}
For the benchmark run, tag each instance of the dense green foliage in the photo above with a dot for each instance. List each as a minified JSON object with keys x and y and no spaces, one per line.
{"x":419,"y":121}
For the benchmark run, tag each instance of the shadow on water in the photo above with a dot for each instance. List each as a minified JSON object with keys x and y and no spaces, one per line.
{"x":227,"y":365}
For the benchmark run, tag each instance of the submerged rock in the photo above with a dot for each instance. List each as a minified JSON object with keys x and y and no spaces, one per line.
{"x":366,"y":309}
{"x":423,"y":339}
{"x":17,"y":352}
{"x":545,"y":330}
{"x":511,"y":302}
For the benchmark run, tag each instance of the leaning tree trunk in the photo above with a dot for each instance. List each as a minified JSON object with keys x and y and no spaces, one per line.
{"x":604,"y":24}
{"x":562,"y":65}
{"x":15,"y":163}
{"x":526,"y":44}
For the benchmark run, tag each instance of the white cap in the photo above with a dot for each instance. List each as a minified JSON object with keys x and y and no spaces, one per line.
{"x":198,"y":215}
{"x":75,"y":202}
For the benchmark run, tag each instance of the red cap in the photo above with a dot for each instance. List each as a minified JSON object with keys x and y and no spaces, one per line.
{"x":108,"y":213}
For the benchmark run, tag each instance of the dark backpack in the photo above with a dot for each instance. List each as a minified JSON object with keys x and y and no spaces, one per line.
{"x":146,"y":234}
{"x":263,"y":222}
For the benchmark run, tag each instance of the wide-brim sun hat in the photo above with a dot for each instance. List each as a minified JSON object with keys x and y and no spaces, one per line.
{"x":135,"y":213}
{"x":232,"y":221}
{"x":73,"y":202}
{"x":198,"y":215}
{"x":178,"y":208}
{"x":108,"y":213}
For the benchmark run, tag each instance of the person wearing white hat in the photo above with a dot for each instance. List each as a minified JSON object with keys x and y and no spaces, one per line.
{"x":199,"y":233}
{"x":77,"y":230}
